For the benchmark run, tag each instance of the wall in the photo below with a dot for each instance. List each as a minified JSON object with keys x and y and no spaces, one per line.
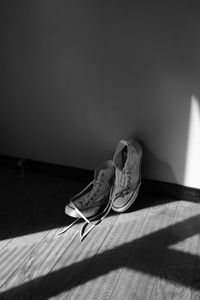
{"x":77,"y":76}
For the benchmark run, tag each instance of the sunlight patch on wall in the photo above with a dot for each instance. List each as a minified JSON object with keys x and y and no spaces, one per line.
{"x":192,"y":167}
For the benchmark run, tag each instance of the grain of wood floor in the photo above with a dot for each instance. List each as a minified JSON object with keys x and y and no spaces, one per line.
{"x":149,"y":252}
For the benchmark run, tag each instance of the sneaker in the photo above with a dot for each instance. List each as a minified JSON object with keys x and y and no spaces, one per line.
{"x":127,"y":161}
{"x":93,"y":202}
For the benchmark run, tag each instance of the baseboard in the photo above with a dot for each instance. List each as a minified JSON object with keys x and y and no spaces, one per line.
{"x":153,"y":187}
{"x":47,"y":168}
{"x":171,"y":190}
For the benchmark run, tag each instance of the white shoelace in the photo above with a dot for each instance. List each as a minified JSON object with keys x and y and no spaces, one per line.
{"x":94,"y":220}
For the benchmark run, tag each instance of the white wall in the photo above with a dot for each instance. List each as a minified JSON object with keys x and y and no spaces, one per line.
{"x":77,"y":76}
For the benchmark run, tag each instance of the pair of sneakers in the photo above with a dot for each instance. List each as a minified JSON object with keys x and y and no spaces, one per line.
{"x":115,"y":186}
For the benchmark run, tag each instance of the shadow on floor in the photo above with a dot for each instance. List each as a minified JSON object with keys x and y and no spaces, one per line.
{"x":36,"y":202}
{"x":142,"y":253}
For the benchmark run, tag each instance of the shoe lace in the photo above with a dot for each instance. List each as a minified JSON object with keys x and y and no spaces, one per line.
{"x":95,"y":220}
{"x":124,"y":184}
{"x":96,"y":189}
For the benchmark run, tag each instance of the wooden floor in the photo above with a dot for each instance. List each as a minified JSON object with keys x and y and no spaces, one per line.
{"x":149,"y":252}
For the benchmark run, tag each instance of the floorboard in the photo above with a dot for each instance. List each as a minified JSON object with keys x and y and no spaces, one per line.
{"x":36,"y":265}
{"x":196,"y":277}
{"x":138,"y":275}
{"x":149,"y":252}
{"x":104,"y":270}
{"x":74,"y":262}
{"x":174,"y":278}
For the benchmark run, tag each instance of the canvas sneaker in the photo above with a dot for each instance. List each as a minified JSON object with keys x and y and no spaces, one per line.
{"x":127,"y":161}
{"x":93,"y":203}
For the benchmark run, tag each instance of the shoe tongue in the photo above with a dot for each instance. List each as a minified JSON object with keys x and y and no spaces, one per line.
{"x":121,"y":158}
{"x":104,"y":172}
{"x":118,"y":175}
{"x":107,"y":170}
{"x":124,"y":156}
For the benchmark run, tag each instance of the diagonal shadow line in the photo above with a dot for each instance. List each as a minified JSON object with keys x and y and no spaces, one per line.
{"x":69,"y":277}
{"x":185,"y":229}
{"x":58,"y":282}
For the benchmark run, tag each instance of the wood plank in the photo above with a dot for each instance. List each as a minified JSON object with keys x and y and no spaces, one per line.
{"x":12,"y":225}
{"x":137,"y":277}
{"x":75,"y":260}
{"x":37,"y":263}
{"x":101,"y":277}
{"x":16,"y":252}
{"x":174,"y":278}
{"x":118,"y":260}
{"x":12,"y":222}
{"x":196,"y":278}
